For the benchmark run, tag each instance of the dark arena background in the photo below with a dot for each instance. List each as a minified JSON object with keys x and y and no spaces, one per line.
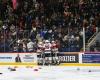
{"x":49,"y":39}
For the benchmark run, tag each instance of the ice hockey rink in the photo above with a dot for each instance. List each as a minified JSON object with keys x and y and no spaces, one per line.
{"x":50,"y":73}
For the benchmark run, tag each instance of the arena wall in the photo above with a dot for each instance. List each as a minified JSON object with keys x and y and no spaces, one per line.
{"x":67,"y":59}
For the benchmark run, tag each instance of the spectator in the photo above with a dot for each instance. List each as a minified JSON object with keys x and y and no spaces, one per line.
{"x":37,"y":20}
{"x":18,"y":59}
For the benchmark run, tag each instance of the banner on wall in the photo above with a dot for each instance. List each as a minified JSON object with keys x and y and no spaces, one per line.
{"x":18,"y":57}
{"x":68,"y":58}
{"x":91,"y":58}
{"x":92,"y":52}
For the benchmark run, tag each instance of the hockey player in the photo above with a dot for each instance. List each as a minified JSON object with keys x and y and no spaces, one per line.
{"x":54,"y":51}
{"x":47,"y":52}
{"x":54,"y":47}
{"x":40,"y":47}
{"x":40,"y":51}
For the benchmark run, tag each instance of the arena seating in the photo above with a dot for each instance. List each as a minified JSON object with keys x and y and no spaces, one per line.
{"x":31,"y":21}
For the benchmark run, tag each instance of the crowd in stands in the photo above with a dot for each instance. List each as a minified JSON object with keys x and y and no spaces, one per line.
{"x":21,"y":28}
{"x":95,"y":47}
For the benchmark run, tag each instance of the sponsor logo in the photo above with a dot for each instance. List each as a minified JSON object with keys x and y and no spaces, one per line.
{"x":65,"y":58}
{"x":91,"y":58}
{"x":68,"y":58}
{"x":92,"y":52}
{"x":5,"y":57}
{"x":25,"y":57}
{"x":28,"y":58}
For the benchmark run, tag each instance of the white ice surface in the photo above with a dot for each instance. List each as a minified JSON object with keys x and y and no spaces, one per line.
{"x":51,"y":73}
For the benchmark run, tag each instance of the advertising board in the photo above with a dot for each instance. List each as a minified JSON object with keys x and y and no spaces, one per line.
{"x":68,"y":58}
{"x":92,"y":53}
{"x":18,"y":57}
{"x":91,"y":58}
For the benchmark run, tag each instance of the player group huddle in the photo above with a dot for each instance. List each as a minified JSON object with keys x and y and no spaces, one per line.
{"x":47,"y":52}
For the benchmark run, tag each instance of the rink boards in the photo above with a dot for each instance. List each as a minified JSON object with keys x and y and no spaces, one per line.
{"x":18,"y":59}
{"x":64,"y":64}
{"x":66,"y":58}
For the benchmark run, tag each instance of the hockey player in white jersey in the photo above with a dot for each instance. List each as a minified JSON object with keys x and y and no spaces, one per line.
{"x":54,"y":51}
{"x":54,"y":47}
{"x":47,"y":51}
{"x":47,"y":46}
{"x":40,"y":47}
{"x":40,"y":52}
